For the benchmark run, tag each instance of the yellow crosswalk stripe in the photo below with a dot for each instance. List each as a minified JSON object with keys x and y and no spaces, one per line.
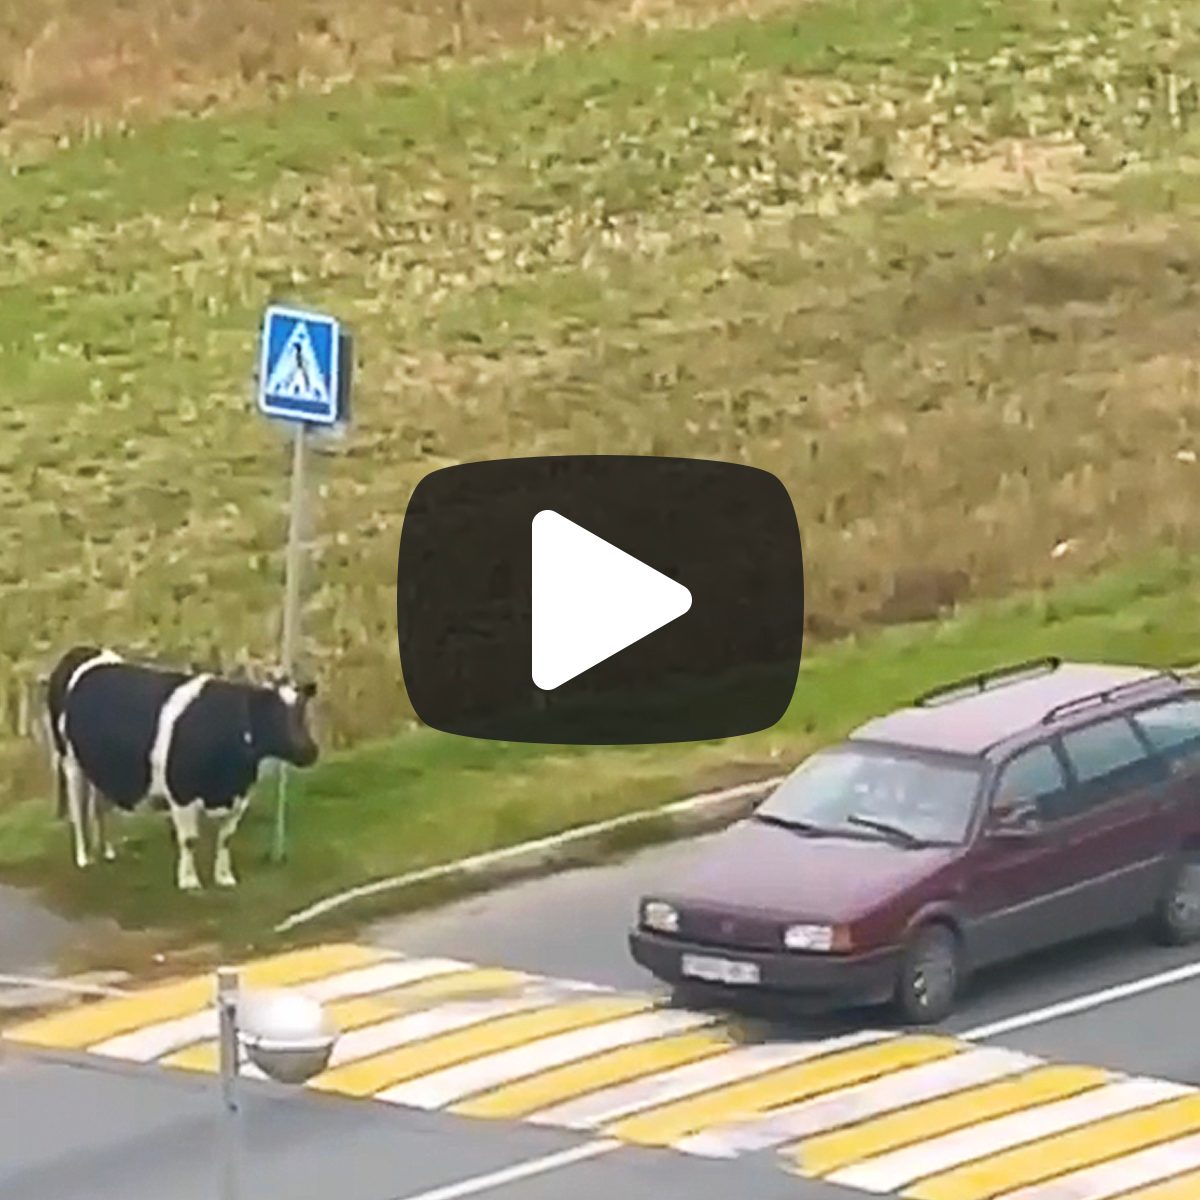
{"x":477,"y":981}
{"x":664,"y":1125}
{"x":1056,"y":1155}
{"x":829,"y":1152}
{"x":1180,"y":1187}
{"x":82,"y":1027}
{"x":370,"y":1075}
{"x":366,"y":1010}
{"x":576,"y":1079}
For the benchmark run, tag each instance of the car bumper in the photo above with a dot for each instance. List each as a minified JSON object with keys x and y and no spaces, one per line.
{"x":825,"y":979}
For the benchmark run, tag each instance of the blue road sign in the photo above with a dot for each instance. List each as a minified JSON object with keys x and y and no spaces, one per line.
{"x":300,"y":377}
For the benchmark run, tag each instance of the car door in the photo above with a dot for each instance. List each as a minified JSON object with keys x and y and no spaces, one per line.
{"x":1118,"y":827}
{"x":1013,"y":882}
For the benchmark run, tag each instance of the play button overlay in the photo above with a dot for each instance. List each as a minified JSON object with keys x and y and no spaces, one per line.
{"x":591,"y":599}
{"x":599,"y":599}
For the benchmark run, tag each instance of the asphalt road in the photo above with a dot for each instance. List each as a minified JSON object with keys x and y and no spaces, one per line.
{"x":574,"y":925}
{"x":95,"y":1131}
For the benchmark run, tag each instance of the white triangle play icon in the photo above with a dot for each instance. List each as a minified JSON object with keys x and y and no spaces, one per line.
{"x":591,"y":600}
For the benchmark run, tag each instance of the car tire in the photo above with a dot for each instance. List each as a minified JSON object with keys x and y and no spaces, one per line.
{"x":930,"y":974}
{"x":1177,"y":915}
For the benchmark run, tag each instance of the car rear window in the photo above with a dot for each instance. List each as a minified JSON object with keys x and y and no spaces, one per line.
{"x":1173,"y":729}
{"x":1106,"y":757}
{"x":928,"y":797}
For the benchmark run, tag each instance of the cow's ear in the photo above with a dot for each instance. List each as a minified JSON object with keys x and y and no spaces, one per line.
{"x":309,"y":689}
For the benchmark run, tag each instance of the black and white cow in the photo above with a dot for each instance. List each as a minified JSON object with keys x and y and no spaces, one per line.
{"x":122,"y":733}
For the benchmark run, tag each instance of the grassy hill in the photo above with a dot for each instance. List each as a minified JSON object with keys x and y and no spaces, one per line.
{"x":934,"y":264}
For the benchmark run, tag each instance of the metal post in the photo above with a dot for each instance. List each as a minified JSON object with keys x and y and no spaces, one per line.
{"x":291,"y":607}
{"x":227,"y":997}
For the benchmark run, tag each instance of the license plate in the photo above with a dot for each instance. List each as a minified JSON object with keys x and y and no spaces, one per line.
{"x":719,"y":970}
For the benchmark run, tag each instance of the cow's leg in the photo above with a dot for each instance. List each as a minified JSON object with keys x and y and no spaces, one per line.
{"x":77,"y":789}
{"x":100,"y":809}
{"x":223,"y":866}
{"x":186,"y":819}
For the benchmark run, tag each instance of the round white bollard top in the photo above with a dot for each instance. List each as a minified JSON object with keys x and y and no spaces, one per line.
{"x":281,"y":1017}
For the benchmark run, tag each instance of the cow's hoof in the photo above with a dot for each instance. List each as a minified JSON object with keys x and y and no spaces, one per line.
{"x":190,"y":885}
{"x":110,"y":854}
{"x":225,"y":881}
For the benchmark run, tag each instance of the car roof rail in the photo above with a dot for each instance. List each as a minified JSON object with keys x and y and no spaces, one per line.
{"x":984,"y":679}
{"x":1104,"y":695}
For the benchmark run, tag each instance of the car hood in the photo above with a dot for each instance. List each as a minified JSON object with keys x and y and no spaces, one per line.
{"x":781,"y":873}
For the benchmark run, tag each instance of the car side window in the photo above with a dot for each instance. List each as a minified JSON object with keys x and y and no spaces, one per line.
{"x":1107,"y":758}
{"x":1173,"y":729}
{"x":1035,"y":776}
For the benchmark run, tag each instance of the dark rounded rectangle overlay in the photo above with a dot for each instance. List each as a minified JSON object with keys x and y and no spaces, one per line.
{"x":726,"y":531}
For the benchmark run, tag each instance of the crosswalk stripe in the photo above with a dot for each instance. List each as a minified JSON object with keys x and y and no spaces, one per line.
{"x":550,"y":1088}
{"x":81,"y":1027}
{"x":664,"y":1125}
{"x":857,"y":1103}
{"x":370,"y":1076}
{"x":362,"y":1011}
{"x":737,"y":1063}
{"x":164,"y":1037}
{"x":1178,"y":1187}
{"x":423,"y":1025}
{"x":1046,"y":1144}
{"x":505,"y":1066}
{"x":1108,"y":1180}
{"x":876,"y":1143}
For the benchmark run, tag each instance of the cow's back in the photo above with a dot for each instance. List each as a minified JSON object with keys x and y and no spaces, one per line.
{"x":112,"y":716}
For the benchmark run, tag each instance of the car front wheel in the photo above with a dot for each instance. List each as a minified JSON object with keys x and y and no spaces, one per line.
{"x":928,"y":980}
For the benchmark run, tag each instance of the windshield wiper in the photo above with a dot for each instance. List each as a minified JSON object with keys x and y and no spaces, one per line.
{"x":905,"y":835}
{"x":790,"y":823}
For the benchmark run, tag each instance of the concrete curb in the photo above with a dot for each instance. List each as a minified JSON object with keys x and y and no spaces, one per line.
{"x":683,"y":816}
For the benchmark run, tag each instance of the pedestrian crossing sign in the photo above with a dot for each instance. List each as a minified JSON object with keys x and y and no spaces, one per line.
{"x":300,"y":378}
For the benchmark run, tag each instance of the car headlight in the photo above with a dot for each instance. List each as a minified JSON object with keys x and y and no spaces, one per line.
{"x":813,"y":937}
{"x":658,"y":914}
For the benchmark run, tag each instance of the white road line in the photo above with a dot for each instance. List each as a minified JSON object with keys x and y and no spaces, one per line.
{"x":740,"y":1062}
{"x":165,"y":1037}
{"x":1084,"y":1003}
{"x":480,"y":1074}
{"x":895,"y":1170}
{"x":1110,"y":1179}
{"x":860,"y":1102}
{"x":533,"y":1166}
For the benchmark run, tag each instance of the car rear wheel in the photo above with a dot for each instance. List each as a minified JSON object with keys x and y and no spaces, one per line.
{"x":930,"y":971}
{"x":1177,"y":917}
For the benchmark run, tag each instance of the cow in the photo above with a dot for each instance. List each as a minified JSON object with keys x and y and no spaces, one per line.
{"x":122,"y":733}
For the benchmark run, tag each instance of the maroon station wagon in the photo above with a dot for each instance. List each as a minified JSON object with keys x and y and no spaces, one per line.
{"x":995,"y":816}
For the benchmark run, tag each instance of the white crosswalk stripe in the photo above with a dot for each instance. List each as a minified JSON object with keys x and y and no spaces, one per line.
{"x":739,"y":1063}
{"x":858,"y":1102}
{"x":445,"y":1087}
{"x":891,"y":1172}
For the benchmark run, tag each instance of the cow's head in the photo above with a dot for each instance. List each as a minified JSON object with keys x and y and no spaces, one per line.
{"x":281,"y":722}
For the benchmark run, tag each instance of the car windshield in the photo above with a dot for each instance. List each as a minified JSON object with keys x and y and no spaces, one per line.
{"x":875,"y":793}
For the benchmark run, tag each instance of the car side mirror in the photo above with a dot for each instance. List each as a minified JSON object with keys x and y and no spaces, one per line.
{"x":1015,"y":822}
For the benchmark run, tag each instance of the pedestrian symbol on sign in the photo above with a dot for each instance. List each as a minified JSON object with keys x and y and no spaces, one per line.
{"x":297,"y":374}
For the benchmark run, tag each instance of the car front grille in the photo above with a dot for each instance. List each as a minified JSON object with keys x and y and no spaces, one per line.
{"x":727,"y":929}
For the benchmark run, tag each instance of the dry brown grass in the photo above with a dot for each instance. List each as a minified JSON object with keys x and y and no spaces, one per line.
{"x":72,"y":65}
